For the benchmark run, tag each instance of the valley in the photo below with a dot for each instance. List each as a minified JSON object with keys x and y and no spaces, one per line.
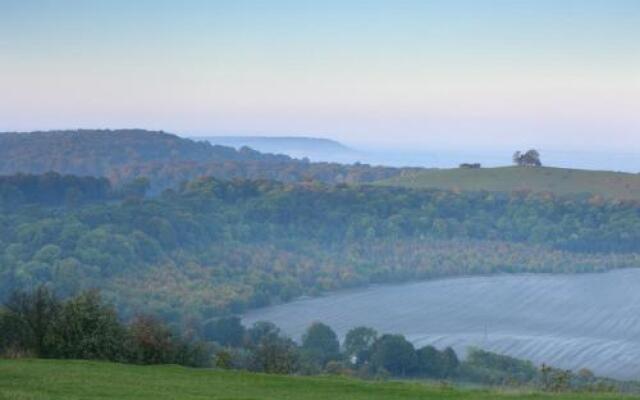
{"x":569,"y":321}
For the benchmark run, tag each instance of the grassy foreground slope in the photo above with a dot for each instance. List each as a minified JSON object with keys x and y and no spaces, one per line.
{"x":560,"y":181}
{"x":50,"y":379}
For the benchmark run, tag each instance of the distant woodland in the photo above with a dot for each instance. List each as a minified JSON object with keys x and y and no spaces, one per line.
{"x":39,"y":324}
{"x":214,"y":247}
{"x":165,"y":159}
{"x":141,"y":247}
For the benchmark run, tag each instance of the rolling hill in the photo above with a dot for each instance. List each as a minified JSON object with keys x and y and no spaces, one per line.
{"x":559,"y":181}
{"x":98,"y":152}
{"x":165,"y":159}
{"x":68,"y":380}
{"x":530,"y":317}
{"x":280,"y":144}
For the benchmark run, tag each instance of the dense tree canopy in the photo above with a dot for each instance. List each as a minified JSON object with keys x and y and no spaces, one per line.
{"x":208,"y":247}
{"x":394,"y":354}
{"x":86,"y":327}
{"x":52,"y":189}
{"x":40,"y":324}
{"x":95,"y":152}
{"x":214,"y":247}
{"x":320,"y":343}
{"x":358,"y":342}
{"x":225,"y":331}
{"x":165,"y":159}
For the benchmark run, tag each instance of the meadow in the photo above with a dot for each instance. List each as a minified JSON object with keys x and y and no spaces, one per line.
{"x":69,"y":380}
{"x":559,"y":181}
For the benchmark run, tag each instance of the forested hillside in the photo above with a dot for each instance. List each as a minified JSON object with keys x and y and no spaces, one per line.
{"x":214,"y":247}
{"x":96,"y":152}
{"x":52,"y":189}
{"x":168,"y":160}
{"x":163,"y":175}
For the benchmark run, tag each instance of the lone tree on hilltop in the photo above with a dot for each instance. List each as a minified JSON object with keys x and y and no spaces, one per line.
{"x":529,"y":159}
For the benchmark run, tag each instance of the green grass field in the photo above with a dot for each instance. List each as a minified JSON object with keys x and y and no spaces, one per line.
{"x":561,"y":181}
{"x":50,"y":379}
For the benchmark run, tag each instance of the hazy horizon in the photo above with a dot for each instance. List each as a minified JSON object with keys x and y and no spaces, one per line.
{"x":454,"y":74}
{"x":403,"y":155}
{"x":464,"y":221}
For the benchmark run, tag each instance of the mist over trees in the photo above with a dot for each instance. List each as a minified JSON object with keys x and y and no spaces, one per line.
{"x":53,"y":189}
{"x":320,"y":344}
{"x":96,"y":152}
{"x":164,"y":159}
{"x":214,"y":247}
{"x":39,"y":324}
{"x":178,"y":242}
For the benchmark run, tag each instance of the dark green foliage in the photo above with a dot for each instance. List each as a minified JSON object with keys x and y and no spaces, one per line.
{"x":84,"y":327}
{"x":496,"y":369}
{"x":449,"y":363}
{"x":271,"y":352}
{"x":87,"y":328}
{"x":320,"y":344}
{"x":167,"y":160}
{"x":27,"y":321}
{"x":52,"y":189}
{"x":136,"y":189}
{"x":225,"y":331}
{"x":264,"y":349}
{"x":275,"y":355}
{"x":223,"y":360}
{"x":151,"y":341}
{"x":97,"y":152}
{"x":260,"y":331}
{"x":429,"y":361}
{"x":437,"y":364}
{"x":215,"y":247}
{"x":358,"y":343}
{"x":394,"y":354}
{"x":555,"y":380}
{"x":530,"y":158}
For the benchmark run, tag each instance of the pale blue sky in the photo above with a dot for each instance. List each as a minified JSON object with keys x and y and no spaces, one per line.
{"x":560,"y":73}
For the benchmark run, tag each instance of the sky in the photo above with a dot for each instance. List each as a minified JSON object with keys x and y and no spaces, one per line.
{"x":493,"y":74}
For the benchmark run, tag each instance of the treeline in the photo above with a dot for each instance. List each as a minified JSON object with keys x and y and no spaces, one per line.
{"x":96,"y":152}
{"x":52,"y":189}
{"x":214,"y":247}
{"x":167,"y":175}
{"x":366,"y":354}
{"x":38,"y":324}
{"x":56,"y":190}
{"x":168,"y":160}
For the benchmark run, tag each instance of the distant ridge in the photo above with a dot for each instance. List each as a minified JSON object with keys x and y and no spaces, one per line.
{"x":314,"y":148}
{"x":302,"y":141}
{"x":98,"y":151}
{"x":168,"y":160}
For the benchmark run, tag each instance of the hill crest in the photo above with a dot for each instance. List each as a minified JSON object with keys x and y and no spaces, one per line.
{"x":559,"y":181}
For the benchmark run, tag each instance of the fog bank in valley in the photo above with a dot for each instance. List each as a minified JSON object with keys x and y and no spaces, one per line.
{"x":569,"y":321}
